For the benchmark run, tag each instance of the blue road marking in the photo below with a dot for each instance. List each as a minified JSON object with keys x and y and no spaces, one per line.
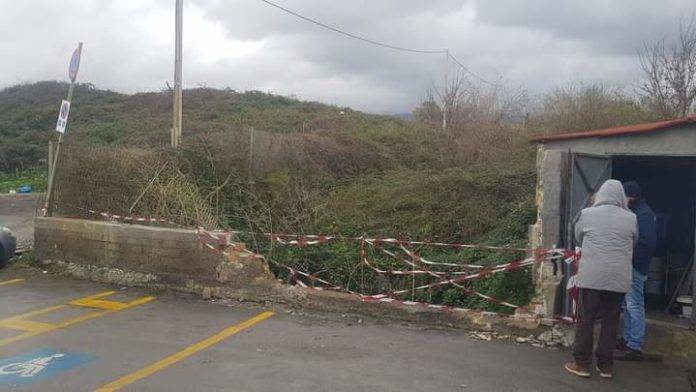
{"x":39,"y":365}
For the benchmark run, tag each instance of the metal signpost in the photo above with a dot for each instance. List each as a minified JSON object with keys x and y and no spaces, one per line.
{"x":61,"y":125}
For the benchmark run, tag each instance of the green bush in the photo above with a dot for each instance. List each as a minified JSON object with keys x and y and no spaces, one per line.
{"x":35,"y":177}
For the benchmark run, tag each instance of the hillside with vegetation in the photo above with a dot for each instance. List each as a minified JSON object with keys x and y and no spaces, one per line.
{"x":312,"y":168}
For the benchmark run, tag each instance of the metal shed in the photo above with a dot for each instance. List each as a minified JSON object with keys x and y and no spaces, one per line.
{"x":661,"y":156}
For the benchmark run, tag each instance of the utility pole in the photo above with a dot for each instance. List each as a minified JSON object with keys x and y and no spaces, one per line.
{"x":446,"y":93}
{"x":177,"y":99}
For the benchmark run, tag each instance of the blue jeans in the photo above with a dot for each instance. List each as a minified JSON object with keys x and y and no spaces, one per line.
{"x":634,"y":313}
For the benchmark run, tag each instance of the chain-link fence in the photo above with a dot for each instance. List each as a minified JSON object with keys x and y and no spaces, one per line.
{"x":127,"y":181}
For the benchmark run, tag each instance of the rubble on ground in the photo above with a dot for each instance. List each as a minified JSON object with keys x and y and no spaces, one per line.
{"x":558,"y":336}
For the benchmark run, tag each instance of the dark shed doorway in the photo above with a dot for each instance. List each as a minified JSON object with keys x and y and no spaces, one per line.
{"x":669,"y":187}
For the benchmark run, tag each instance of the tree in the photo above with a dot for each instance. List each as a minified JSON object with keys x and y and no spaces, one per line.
{"x":466,"y":103}
{"x":669,"y":86}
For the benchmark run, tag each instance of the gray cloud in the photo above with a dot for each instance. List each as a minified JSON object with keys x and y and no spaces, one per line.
{"x":615,"y":27}
{"x":245,"y":44}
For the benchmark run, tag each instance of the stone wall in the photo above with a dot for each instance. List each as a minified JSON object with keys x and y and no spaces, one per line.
{"x":171,"y":254}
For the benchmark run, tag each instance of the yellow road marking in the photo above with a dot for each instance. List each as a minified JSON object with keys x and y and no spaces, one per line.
{"x":33,"y":328}
{"x":33,"y":313}
{"x":94,"y":302}
{"x":27,"y":325}
{"x":188,"y":351}
{"x":11,"y":281}
{"x":91,"y":297}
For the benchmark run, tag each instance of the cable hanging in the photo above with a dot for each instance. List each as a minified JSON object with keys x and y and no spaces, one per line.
{"x":467,"y":70}
{"x":377,"y":43}
{"x":347,"y":34}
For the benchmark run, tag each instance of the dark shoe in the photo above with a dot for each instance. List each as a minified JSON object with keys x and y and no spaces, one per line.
{"x":628,"y":355}
{"x":578,"y":370}
{"x":621,"y":344}
{"x":605,"y":371}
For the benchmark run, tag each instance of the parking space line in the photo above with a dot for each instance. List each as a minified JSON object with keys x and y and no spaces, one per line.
{"x":32,"y":328}
{"x":27,"y":325}
{"x":95,"y":302}
{"x":11,"y":281}
{"x":183,"y":354}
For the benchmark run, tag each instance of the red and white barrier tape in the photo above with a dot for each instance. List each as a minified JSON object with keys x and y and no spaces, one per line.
{"x":366,"y":261}
{"x":129,"y":219}
{"x":315,"y":239}
{"x":486,"y":273}
{"x":467,"y":290}
{"x":304,"y":241}
{"x":221,"y":241}
{"x":384,"y":298}
{"x":392,"y":254}
{"x":312,"y":239}
{"x":437,"y":275}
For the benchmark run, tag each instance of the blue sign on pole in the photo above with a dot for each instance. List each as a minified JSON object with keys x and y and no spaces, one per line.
{"x":75,"y":63}
{"x":39,"y":365}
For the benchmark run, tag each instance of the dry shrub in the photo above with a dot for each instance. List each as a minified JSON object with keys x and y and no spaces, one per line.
{"x":579,"y":107}
{"x":173,"y":195}
{"x":486,"y":143}
{"x":485,"y":124}
{"x":128,"y":181}
{"x":331,"y":123}
{"x":336,"y":154}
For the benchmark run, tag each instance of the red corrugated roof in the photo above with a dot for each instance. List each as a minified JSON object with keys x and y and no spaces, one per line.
{"x":624,"y":130}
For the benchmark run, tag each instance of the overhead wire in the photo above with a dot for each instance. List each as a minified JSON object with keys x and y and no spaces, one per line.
{"x":378,"y":43}
{"x":470,"y":72}
{"x":351,"y":35}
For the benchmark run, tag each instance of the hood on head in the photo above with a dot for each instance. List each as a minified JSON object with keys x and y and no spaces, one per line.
{"x":611,"y":193}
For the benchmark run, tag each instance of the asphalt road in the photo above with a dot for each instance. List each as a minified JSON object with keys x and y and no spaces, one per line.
{"x":169,"y":342}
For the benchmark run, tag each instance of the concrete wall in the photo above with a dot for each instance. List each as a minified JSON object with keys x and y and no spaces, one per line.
{"x":548,"y":196}
{"x":545,"y":232}
{"x":676,"y":141}
{"x":171,"y":254}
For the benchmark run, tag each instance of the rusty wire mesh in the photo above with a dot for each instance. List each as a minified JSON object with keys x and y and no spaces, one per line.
{"x":130,"y":182}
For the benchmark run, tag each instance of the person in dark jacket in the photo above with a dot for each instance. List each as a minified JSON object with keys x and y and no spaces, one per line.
{"x":630,"y":349}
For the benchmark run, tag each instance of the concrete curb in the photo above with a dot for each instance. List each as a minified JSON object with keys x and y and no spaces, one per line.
{"x":271,"y":291}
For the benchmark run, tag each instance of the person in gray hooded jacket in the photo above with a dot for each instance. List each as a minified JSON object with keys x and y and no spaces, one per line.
{"x":607,"y":233}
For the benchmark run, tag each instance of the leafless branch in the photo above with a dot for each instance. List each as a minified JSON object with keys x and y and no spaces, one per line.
{"x":669,"y":85}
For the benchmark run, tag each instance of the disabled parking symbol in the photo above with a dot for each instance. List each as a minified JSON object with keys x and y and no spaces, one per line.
{"x":39,"y":365}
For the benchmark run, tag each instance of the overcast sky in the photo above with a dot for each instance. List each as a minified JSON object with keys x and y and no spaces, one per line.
{"x":248,"y":45}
